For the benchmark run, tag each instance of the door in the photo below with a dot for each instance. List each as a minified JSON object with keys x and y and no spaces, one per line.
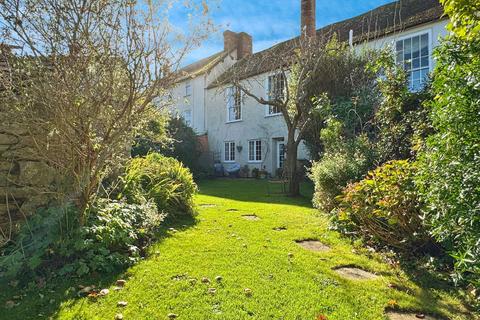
{"x":280,"y":154}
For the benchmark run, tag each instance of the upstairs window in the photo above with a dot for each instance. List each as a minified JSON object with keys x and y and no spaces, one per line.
{"x":413,"y":54}
{"x":255,"y":150}
{"x":188,"y":88}
{"x":275,"y":91}
{"x":234,"y":104}
{"x":229,"y":151}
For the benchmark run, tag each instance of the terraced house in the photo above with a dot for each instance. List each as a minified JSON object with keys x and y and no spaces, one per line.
{"x":239,"y":130}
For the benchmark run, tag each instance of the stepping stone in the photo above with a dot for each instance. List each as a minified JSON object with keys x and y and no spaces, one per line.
{"x":280,"y":228}
{"x":393,"y":315}
{"x":232,"y":210}
{"x":313,"y":245}
{"x":208,"y":205}
{"x":250,"y":217}
{"x":353,"y":273}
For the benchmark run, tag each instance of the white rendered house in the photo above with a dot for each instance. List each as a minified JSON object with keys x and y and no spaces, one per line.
{"x":239,"y":130}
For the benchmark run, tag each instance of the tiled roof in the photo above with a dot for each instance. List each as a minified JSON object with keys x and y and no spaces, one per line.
{"x":387,"y":19}
{"x":201,"y":66}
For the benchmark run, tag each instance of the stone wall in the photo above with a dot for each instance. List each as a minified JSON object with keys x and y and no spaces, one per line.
{"x":25,"y":181}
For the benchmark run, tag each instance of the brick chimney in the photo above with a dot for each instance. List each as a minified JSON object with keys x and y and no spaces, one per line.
{"x":230,"y":40}
{"x":244,"y":46}
{"x":308,"y":19}
{"x":241,"y":41}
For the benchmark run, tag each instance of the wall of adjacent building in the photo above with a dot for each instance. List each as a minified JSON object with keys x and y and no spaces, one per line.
{"x":26,"y":182}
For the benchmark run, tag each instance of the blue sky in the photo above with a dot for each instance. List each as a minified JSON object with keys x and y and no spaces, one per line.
{"x":272,"y":21}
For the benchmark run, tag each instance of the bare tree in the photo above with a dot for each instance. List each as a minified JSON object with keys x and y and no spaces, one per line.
{"x":87,"y":76}
{"x":306,"y":72}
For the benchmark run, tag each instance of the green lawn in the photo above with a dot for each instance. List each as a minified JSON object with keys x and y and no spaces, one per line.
{"x":286,"y":280}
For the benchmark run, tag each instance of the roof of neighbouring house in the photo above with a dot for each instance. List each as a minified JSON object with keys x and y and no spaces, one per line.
{"x":387,"y":19}
{"x":201,"y":66}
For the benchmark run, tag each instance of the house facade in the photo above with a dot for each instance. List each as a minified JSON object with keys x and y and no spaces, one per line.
{"x":240,"y":131}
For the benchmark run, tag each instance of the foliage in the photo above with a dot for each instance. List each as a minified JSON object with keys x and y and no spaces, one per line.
{"x":85,"y":77}
{"x":30,"y":248}
{"x":345,"y":161}
{"x":153,"y":137}
{"x":449,"y":166}
{"x":384,"y":208}
{"x":163,"y":179}
{"x":114,"y":235}
{"x":173,"y":139}
{"x":401,"y":122}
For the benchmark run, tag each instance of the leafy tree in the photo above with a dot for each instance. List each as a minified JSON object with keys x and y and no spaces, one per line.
{"x":171,"y":137}
{"x":449,"y":165}
{"x":86,"y":76}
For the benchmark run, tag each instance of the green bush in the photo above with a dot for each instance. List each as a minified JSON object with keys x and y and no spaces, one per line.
{"x":449,"y":166}
{"x":172,"y":138}
{"x":114,"y":235}
{"x":346,"y":161}
{"x":164,"y":180}
{"x":384,"y":208}
{"x":30,"y":248}
{"x":401,"y":121}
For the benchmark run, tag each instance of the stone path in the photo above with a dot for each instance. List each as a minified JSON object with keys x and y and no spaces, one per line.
{"x":353,"y":273}
{"x":313,"y":245}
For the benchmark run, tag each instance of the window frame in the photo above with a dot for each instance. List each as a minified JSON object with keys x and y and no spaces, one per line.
{"x":231,"y":92}
{"x":268,"y":108}
{"x":255,"y":142}
{"x":231,"y":149}
{"x":430,"y":56}
{"x":190,"y":121}
{"x":188,"y":88}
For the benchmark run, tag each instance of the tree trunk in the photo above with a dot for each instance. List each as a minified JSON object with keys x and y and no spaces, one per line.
{"x":291,"y":166}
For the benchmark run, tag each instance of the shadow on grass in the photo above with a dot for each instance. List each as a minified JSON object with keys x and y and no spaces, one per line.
{"x":253,"y":190}
{"x":430,"y":283}
{"x":32,"y":302}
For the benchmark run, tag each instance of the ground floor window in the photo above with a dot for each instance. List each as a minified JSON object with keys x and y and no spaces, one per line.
{"x":255,"y":150}
{"x":280,"y":154}
{"x":229,"y":151}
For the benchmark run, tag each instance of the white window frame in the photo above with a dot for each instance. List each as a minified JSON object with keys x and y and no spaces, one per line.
{"x":255,"y":146}
{"x":280,"y":142}
{"x":430,"y":50}
{"x":231,"y":147}
{"x":188,"y":88}
{"x":268,"y":96}
{"x":231,"y":91}
{"x":188,"y":122}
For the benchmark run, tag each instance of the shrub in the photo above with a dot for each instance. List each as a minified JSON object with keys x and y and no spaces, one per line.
{"x":114,"y":235}
{"x":384,"y":208}
{"x":30,"y":248}
{"x":449,"y":166}
{"x":401,"y":121}
{"x":163,"y":179}
{"x":346,"y":161}
{"x":181,"y":144}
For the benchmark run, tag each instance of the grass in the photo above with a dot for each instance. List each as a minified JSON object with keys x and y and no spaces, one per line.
{"x":286,"y":280}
